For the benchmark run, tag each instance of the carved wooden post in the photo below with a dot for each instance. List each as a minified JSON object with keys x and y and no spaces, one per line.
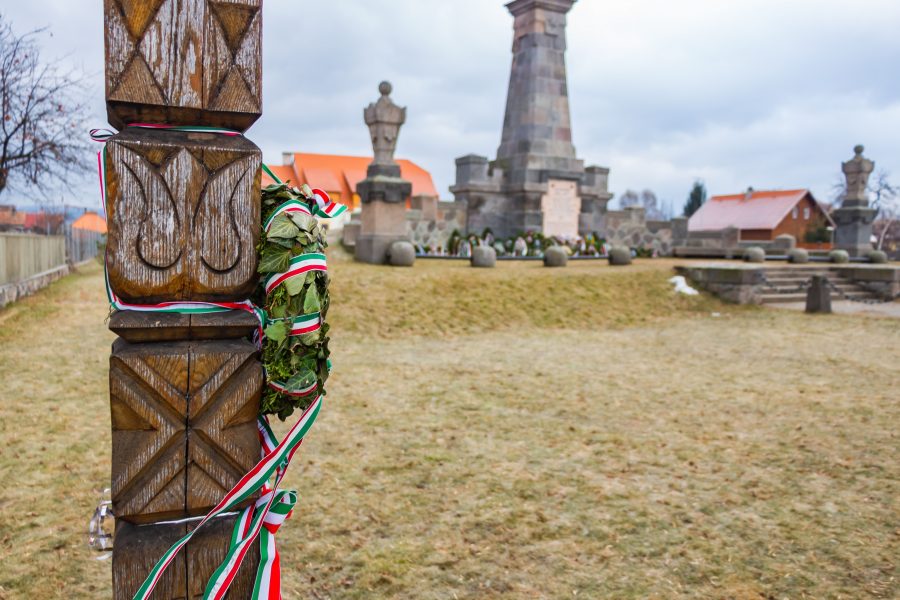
{"x":184,"y":214}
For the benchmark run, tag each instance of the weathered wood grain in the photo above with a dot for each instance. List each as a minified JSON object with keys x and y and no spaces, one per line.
{"x":183,"y":216}
{"x":138,"y":547}
{"x":137,"y":327}
{"x":184,"y":62}
{"x":183,"y":425}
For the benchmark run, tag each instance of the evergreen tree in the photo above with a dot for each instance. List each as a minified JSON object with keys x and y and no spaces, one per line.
{"x":696,"y":199}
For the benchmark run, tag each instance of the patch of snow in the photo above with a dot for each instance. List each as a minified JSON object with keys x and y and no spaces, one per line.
{"x":682,"y":287}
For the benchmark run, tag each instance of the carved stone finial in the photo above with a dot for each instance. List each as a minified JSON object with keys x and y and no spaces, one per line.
{"x":857,"y":171}
{"x":384,"y":119}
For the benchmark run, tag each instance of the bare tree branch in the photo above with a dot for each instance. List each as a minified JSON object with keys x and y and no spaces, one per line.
{"x":42,"y":116}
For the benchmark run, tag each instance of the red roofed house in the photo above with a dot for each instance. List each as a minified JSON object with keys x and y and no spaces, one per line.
{"x":764,"y":215}
{"x":338,"y":175}
{"x":90,"y":221}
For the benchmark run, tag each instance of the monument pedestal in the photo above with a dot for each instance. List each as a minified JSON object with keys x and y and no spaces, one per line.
{"x":383,"y":218}
{"x":854,"y":229}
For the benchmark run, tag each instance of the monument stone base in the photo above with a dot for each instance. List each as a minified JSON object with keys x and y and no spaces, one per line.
{"x":383,"y":217}
{"x":854,"y":229}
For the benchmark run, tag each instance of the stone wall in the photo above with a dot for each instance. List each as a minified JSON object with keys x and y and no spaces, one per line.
{"x":883,"y":281}
{"x":430,"y":221}
{"x":737,"y":284}
{"x":11,"y":292}
{"x":631,"y":228}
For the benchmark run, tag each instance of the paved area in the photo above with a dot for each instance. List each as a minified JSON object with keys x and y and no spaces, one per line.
{"x":890,"y":309}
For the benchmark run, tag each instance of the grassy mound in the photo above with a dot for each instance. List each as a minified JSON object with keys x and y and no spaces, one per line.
{"x":449,"y":297}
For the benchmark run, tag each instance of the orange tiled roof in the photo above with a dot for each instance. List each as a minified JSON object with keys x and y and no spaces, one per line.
{"x":90,"y":221}
{"x":338,"y":175}
{"x":9,"y":216}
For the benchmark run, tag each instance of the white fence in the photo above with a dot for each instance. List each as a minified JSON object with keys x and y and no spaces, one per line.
{"x":81,"y":244}
{"x":24,"y":255}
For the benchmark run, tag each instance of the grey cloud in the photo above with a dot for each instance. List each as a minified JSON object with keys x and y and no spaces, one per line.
{"x":739,"y":92}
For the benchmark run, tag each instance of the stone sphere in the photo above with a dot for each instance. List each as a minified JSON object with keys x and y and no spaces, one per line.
{"x":859,"y":149}
{"x":619,"y":256}
{"x":798,"y":256}
{"x":839,"y":256}
{"x":483,"y":257}
{"x":878,"y":257}
{"x":385,"y":88}
{"x":402,"y":254}
{"x":786,"y":241}
{"x":555,"y":256}
{"x":754,"y":255}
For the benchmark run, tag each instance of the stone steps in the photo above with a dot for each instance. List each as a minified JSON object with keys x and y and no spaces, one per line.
{"x":785,"y":282}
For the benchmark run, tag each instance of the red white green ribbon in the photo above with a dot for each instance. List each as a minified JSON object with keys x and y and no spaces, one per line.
{"x":325,"y":207}
{"x":301,"y":393}
{"x":306,"y":324}
{"x":251,"y":483}
{"x":290,"y":206}
{"x":299,"y":265}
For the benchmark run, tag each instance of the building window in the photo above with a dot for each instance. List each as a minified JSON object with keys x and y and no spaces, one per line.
{"x":794,"y":213}
{"x":806,"y":214}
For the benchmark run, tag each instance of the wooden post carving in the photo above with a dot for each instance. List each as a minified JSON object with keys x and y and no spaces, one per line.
{"x":184,"y":62}
{"x":184,"y":212}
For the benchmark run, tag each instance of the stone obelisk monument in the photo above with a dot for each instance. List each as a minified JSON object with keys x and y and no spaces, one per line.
{"x":536,"y":182}
{"x":854,"y":218}
{"x":184,"y":220}
{"x":383,"y":193}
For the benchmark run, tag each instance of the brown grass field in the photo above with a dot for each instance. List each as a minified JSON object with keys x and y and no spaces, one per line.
{"x":514,"y":433}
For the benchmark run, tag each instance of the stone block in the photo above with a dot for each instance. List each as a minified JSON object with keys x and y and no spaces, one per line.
{"x":839,"y":256}
{"x":484,"y":257}
{"x":556,"y":256}
{"x":798,"y":256}
{"x":184,"y":62}
{"x":619,"y":256}
{"x":755,"y":255}
{"x":818,"y":296}
{"x":402,"y":254}
{"x":784,"y":242}
{"x":351,"y":234}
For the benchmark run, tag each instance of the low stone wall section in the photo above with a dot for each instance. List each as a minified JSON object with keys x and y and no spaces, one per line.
{"x":430,"y":221}
{"x":12,"y":292}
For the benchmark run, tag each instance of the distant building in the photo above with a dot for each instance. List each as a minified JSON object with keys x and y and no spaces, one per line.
{"x":338,"y":175}
{"x":13,"y":219}
{"x":90,"y":221}
{"x":764,"y":215}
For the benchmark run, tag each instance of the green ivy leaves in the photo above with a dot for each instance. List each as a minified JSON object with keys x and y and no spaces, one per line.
{"x":296,"y":361}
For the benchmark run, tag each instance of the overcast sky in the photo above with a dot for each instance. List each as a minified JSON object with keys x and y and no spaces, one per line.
{"x":768,"y":93}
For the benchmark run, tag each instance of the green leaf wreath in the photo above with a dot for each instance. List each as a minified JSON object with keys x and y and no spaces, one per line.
{"x":294,"y":361}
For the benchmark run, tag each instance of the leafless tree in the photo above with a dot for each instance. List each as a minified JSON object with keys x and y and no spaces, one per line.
{"x":646,"y":199}
{"x":42,"y":117}
{"x":885,"y":199}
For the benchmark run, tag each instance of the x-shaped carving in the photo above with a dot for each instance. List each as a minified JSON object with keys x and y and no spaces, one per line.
{"x":148,"y":422}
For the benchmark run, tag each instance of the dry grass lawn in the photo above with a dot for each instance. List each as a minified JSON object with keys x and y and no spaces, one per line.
{"x":514,"y":433}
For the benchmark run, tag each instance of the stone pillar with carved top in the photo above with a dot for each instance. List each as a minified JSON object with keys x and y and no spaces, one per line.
{"x":854,"y":218}
{"x":183,"y":215}
{"x":384,"y":192}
